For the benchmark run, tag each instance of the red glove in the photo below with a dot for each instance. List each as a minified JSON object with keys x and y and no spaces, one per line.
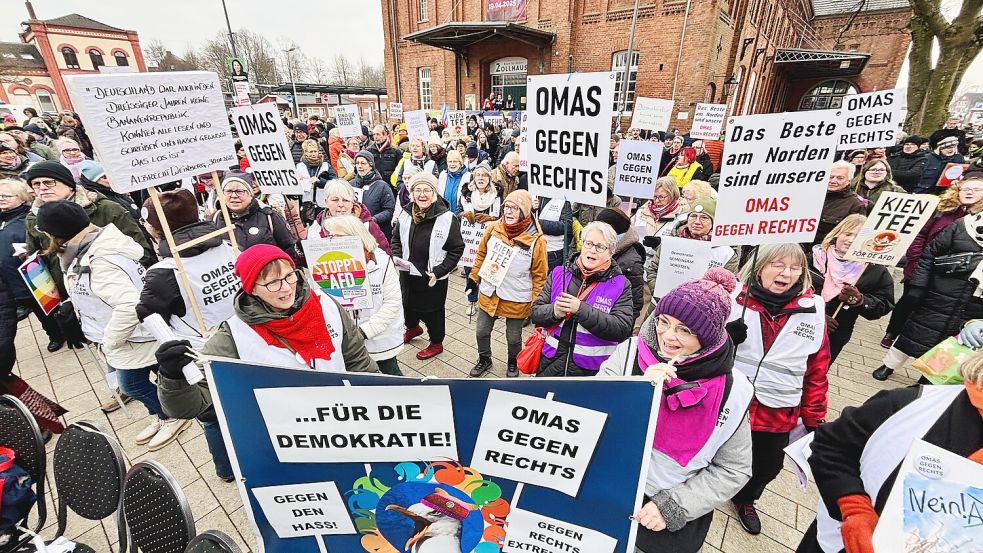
{"x":859,"y":520}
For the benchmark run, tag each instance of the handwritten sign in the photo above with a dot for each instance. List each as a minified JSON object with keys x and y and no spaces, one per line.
{"x":416,"y":124}
{"x":528,"y":531}
{"x":337,"y":267}
{"x":496,"y":263}
{"x":347,"y":119}
{"x":154,"y":128}
{"x":653,"y":114}
{"x":891,"y":227}
{"x":871,"y":120}
{"x":638,"y":168}
{"x":681,"y":260}
{"x":312,"y":509}
{"x":395,"y":110}
{"x":708,"y":121}
{"x":261,"y":131}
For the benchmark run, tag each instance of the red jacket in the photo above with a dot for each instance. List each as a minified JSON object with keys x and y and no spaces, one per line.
{"x":812,"y":408}
{"x":335,"y":146}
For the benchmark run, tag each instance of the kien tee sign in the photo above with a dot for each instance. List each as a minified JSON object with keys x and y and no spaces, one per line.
{"x":891,"y":227}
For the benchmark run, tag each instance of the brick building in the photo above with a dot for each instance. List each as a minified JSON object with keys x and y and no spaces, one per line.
{"x":756,"y":55}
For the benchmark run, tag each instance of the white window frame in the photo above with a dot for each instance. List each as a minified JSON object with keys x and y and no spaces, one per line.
{"x":426,"y":88}
{"x":424,"y":10}
{"x":46,"y":97}
{"x":618,"y":61}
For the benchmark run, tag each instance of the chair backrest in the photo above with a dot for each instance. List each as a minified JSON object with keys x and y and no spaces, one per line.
{"x":156,"y":511}
{"x":20,"y":432}
{"x":212,"y":541}
{"x":89,"y":470}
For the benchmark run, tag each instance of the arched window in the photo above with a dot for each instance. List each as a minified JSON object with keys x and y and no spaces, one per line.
{"x":96,"y":57}
{"x":44,"y":98}
{"x":711,"y":93}
{"x":826,"y":95}
{"x":71,"y":60}
{"x":619,"y":60}
{"x":121,"y":59}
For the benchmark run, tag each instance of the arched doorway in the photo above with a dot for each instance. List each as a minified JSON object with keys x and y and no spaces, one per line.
{"x":508,"y":77}
{"x":827,"y":95}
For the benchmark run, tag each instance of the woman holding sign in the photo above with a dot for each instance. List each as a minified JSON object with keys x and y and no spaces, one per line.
{"x":254,"y":223}
{"x":339,"y":199}
{"x":701,"y":455}
{"x":863,"y":289}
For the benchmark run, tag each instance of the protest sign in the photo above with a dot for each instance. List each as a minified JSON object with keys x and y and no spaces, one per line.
{"x":891,"y":227}
{"x":774,"y":177}
{"x":240,"y":90}
{"x":337,"y":268}
{"x":529,"y":531}
{"x":936,"y":499}
{"x":416,"y":124}
{"x":708,"y":121}
{"x":951,"y":174}
{"x":457,"y":124}
{"x":524,"y":142}
{"x":497,"y":260}
{"x":471,"y":233}
{"x":638,"y":168}
{"x":395,"y":110}
{"x":154,"y":128}
{"x":569,"y":127}
{"x":871,"y":119}
{"x":347,"y":120}
{"x":387,"y":499}
{"x":681,"y":260}
{"x":653,"y":114}
{"x":35,"y":273}
{"x":262,"y":134}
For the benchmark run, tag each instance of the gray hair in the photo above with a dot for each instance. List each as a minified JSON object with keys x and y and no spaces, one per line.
{"x":769,"y":253}
{"x":351,"y":226}
{"x":18,"y":188}
{"x":510,"y":157}
{"x":339,"y":187}
{"x":851,"y":169}
{"x":606,"y":231}
{"x":972,"y":369}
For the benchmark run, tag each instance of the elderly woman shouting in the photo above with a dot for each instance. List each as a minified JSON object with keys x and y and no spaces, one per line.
{"x":426,"y":247}
{"x":586,"y":306}
{"x":521,"y":280}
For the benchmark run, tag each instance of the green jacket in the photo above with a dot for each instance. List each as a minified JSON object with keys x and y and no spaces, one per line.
{"x":185,"y":401}
{"x":45,"y":151}
{"x":101,"y":211}
{"x":871,"y":195}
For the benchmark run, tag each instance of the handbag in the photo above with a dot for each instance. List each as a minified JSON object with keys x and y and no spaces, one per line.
{"x":940,"y":365}
{"x":532,"y":350}
{"x":957,"y":263}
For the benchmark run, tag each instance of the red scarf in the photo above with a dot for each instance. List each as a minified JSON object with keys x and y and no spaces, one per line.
{"x":304,"y":332}
{"x":518,"y":228}
{"x":658,"y":213}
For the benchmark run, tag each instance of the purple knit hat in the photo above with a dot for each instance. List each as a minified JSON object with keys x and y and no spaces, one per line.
{"x":702,"y":305}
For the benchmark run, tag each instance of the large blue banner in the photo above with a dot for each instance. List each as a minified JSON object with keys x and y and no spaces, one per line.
{"x":349,"y":462}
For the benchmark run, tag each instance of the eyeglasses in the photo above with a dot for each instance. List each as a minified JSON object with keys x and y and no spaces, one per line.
{"x":781,"y":267}
{"x":45,"y":183}
{"x":423,"y":192}
{"x":662,"y":324}
{"x":71,"y":150}
{"x":237,"y":192}
{"x":877,"y":170}
{"x":7,"y":196}
{"x":599,"y":248}
{"x":275,"y":286}
{"x":971,"y":190}
{"x":510,"y":207}
{"x":660,"y":197}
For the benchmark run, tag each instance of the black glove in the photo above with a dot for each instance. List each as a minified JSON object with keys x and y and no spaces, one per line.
{"x":811,"y":429}
{"x":325,"y":176}
{"x":68,"y":322}
{"x":652,"y":241}
{"x":737,"y":329}
{"x":172,"y":356}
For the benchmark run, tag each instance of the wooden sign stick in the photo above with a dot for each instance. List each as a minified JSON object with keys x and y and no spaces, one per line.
{"x":225,"y":214}
{"x":837,"y":312}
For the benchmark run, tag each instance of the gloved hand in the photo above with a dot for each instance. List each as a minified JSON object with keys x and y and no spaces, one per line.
{"x":468,"y":216}
{"x":172,"y":356}
{"x":971,"y":335}
{"x":831,"y":324}
{"x":483,"y":218}
{"x":433,"y":280}
{"x":859,"y":520}
{"x":850,"y":295}
{"x":737,"y":329}
{"x":71,"y":328}
{"x":652,"y":241}
{"x":324,"y":175}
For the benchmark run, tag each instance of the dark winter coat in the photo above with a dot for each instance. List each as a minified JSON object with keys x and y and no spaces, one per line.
{"x":161,"y":292}
{"x":297,"y":150}
{"x":629,"y":254}
{"x":946,"y":302}
{"x":386,"y":159}
{"x":938,"y":135}
{"x":377,"y":195}
{"x":875,"y":284}
{"x":418,"y":296}
{"x":706,"y":167}
{"x":838,"y":206}
{"x":270,"y":228}
{"x":15,"y":172}
{"x":934,"y":164}
{"x":907,"y":168}
{"x":925,"y":236}
{"x":13,"y":231}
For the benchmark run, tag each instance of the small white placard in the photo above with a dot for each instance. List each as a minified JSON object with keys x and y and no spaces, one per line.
{"x":297,"y":510}
{"x":681,"y":260}
{"x":638,"y":168}
{"x":528,"y":531}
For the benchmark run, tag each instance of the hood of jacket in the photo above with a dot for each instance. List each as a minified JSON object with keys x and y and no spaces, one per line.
{"x":188,"y":233}
{"x":628,"y":240}
{"x":101,"y":242}
{"x":251,"y":310}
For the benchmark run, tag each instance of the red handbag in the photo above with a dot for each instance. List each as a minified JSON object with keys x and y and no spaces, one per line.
{"x":528,"y":358}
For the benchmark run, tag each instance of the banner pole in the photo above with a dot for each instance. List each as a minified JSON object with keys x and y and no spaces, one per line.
{"x":225,"y":214}
{"x":839,"y":307}
{"x":754,"y":260}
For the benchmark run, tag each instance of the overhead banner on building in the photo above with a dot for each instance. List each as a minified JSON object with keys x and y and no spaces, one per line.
{"x":871,"y":120}
{"x":569,"y":127}
{"x":263,"y":137}
{"x":774,"y":177}
{"x":891,"y":227}
{"x":154,"y":128}
{"x":347,"y":120}
{"x":708,"y":121}
{"x":363,"y":462}
{"x":638,"y":168}
{"x":653,"y":114}
{"x":506,"y":10}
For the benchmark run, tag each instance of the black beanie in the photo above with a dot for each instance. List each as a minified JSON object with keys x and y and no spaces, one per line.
{"x":367,"y":156}
{"x":616,"y":218}
{"x":62,"y":218}
{"x":914,"y":139}
{"x":53,"y":170}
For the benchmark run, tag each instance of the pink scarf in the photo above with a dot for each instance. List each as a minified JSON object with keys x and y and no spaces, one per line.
{"x":837,"y":272}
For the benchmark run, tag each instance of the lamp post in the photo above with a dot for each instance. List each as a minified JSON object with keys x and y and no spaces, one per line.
{"x":232,"y":37}
{"x":730,"y":84}
{"x":290,"y":73}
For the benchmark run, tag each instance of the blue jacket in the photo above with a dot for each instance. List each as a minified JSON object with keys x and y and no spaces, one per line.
{"x":934,"y":164}
{"x":13,"y":230}
{"x":377,"y":195}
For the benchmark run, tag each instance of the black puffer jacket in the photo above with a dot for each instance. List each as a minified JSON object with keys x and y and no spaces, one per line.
{"x":629,"y":254}
{"x":946,"y":301}
{"x":875,"y":284}
{"x":261,"y":225}
{"x":907,"y":168}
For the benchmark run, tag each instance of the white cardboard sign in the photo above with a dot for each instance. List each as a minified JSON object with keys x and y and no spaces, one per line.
{"x":359,"y":424}
{"x":261,"y":131}
{"x":653,"y":114}
{"x":154,"y":128}
{"x":312,"y":509}
{"x":395,"y":110}
{"x":638,"y":168}
{"x":529,"y":531}
{"x":891,"y":227}
{"x":569,"y":127}
{"x":871,"y":120}
{"x":524,"y":142}
{"x":708,"y":121}
{"x":416,"y":124}
{"x":457,"y":124}
{"x":471,"y":233}
{"x":347,"y":119}
{"x":681,"y":260}
{"x":513,"y":435}
{"x":774,"y":177}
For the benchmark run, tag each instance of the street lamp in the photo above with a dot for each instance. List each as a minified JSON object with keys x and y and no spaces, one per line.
{"x":290,"y":73}
{"x":730,"y":84}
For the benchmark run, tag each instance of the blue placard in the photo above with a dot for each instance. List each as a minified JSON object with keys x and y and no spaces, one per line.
{"x":383,"y":500}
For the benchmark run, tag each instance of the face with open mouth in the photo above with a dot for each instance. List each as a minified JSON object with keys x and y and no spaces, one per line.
{"x":781,"y":274}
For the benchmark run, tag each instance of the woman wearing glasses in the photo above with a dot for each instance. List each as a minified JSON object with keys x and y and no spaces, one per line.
{"x":339,"y":199}
{"x":874,"y":179}
{"x":254,"y":223}
{"x":586,"y":305}
{"x":785,"y":355}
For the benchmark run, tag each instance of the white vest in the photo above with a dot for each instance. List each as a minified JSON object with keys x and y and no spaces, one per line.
{"x":551,"y":211}
{"x":389,"y":342}
{"x":93,"y":312}
{"x":778,"y":379}
{"x":254,"y":349}
{"x":885,"y":450}
{"x":517,"y":286}
{"x":215,"y":285}
{"x":438,"y":237}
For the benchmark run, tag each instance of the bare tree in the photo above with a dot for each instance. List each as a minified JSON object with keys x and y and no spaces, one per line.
{"x":213,"y":55}
{"x":154,"y":52}
{"x":931,"y":88}
{"x":193,"y":59}
{"x":259,"y":54}
{"x":294,"y":62}
{"x":343,"y":71}
{"x":318,"y":70}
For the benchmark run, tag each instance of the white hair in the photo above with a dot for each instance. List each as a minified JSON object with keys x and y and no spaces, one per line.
{"x":606,"y":231}
{"x":850,"y":168}
{"x":350,"y":225}
{"x":339,"y":187}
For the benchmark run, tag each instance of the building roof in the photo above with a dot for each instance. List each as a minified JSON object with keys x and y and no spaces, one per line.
{"x":311,"y":88}
{"x":836,"y":7}
{"x":20,"y":55}
{"x":800,"y":63}
{"x":458,"y":36}
{"x":81,"y":22}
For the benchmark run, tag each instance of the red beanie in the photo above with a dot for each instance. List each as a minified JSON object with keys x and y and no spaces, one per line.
{"x":254,"y":259}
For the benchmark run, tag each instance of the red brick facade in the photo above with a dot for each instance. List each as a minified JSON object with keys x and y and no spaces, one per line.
{"x":722,"y":38}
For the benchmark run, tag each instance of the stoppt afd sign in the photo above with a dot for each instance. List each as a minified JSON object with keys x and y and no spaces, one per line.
{"x":262,"y":134}
{"x":569,"y":128}
{"x":337,"y":268}
{"x":774,"y":177}
{"x":891,"y":227}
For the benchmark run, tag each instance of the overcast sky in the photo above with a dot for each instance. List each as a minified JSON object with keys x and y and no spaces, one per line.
{"x":322,"y":28}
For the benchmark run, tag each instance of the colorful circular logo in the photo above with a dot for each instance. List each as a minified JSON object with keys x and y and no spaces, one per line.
{"x":336,"y":270}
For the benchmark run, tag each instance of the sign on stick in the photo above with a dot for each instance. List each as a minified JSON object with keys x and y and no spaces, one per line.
{"x":708,"y":121}
{"x":638,"y":168}
{"x":263,"y":137}
{"x":891,"y":227}
{"x":347,"y":119}
{"x":653,"y":114}
{"x":871,"y":120}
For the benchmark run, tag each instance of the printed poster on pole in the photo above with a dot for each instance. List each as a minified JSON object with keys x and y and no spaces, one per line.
{"x":638,"y":168}
{"x":569,"y":128}
{"x":395,"y":110}
{"x":356,"y":462}
{"x":337,"y":267}
{"x":262,"y":134}
{"x":891,"y":227}
{"x":653,"y":114}
{"x":457,"y":124}
{"x":708,"y":121}
{"x":154,"y":128}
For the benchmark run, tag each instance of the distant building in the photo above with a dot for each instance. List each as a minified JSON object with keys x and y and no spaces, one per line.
{"x":33,"y":71}
{"x":318,"y":99}
{"x":968,"y":107}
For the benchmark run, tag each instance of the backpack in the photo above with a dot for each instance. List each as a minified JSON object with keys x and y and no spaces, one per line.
{"x":16,"y":495}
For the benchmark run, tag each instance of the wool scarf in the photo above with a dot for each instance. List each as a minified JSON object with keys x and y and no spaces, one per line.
{"x":659,"y":213}
{"x":312,"y":159}
{"x":684,"y":232}
{"x":482,"y":201}
{"x":518,"y":227}
{"x":418,"y":214}
{"x":836,"y":270}
{"x":303,"y":332}
{"x":774,"y":303}
{"x":587,"y":273}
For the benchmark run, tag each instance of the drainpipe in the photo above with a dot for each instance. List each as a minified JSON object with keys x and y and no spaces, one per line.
{"x":392,"y":23}
{"x":679,"y":58}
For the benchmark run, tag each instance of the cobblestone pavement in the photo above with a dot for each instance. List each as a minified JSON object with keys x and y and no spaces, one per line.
{"x":73,"y":380}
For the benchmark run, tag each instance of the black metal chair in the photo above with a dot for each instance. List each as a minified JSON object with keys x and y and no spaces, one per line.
{"x":20,"y":432}
{"x":89,"y":470}
{"x":212,"y":541}
{"x":156,"y":510}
